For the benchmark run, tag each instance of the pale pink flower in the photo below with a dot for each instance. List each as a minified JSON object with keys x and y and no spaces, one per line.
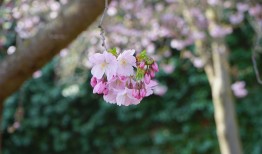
{"x":239,"y":89}
{"x":115,"y":85}
{"x":147,"y":78}
{"x":37,"y":74}
{"x":168,"y":68}
{"x":99,"y":88}
{"x":126,"y":62}
{"x":111,"y":96}
{"x":236,"y":18}
{"x":177,"y":44}
{"x":150,"y":87}
{"x":220,"y":31}
{"x":255,"y":10}
{"x":155,"y":67}
{"x":213,"y":2}
{"x":198,"y":63}
{"x":93,"y":81}
{"x":242,"y":7}
{"x":125,"y":98}
{"x":105,"y":63}
{"x":160,"y":90}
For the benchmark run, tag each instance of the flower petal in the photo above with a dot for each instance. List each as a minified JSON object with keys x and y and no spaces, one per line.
{"x":98,"y":71}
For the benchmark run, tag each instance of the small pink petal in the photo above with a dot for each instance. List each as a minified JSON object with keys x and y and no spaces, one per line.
{"x":147,"y":78}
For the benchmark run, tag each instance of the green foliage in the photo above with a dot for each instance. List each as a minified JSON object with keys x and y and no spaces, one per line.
{"x":140,"y":74}
{"x":113,"y":51}
{"x":181,"y":120}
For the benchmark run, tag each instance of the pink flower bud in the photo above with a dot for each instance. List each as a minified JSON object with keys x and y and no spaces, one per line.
{"x":142,"y":64}
{"x":147,"y":78}
{"x":142,"y":93}
{"x":99,"y":88}
{"x":155,"y":67}
{"x":93,"y":81}
{"x":152,"y":74}
{"x":135,"y":93}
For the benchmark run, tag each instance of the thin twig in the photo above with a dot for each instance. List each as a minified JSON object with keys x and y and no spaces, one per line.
{"x":102,"y":31}
{"x":256,"y":51}
{"x":255,"y":68}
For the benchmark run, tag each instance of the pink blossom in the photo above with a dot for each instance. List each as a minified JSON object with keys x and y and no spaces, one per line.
{"x":124,"y":86}
{"x":99,"y":88}
{"x":219,"y":31}
{"x":111,"y":96}
{"x":255,"y":10}
{"x":142,"y":93}
{"x":126,"y":62}
{"x":152,"y":73}
{"x":105,"y":63}
{"x":213,"y":2}
{"x":126,"y":98}
{"x":155,"y":67}
{"x":115,"y":85}
{"x":93,"y":81}
{"x":135,"y":93}
{"x":178,"y":44}
{"x":198,"y":63}
{"x":37,"y":74}
{"x":168,"y":68}
{"x":160,"y":90}
{"x":142,"y":64}
{"x":239,"y":89}
{"x":147,"y":78}
{"x":150,"y":87}
{"x":242,"y":7}
{"x":236,"y":18}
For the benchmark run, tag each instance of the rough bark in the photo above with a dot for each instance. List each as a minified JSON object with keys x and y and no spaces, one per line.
{"x":33,"y":53}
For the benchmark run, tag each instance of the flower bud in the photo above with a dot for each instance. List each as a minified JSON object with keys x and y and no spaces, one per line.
{"x":135,"y":93}
{"x":155,"y":67}
{"x":93,"y":81}
{"x":99,"y":88}
{"x":147,"y":78}
{"x":142,"y":93}
{"x":142,"y":64}
{"x":152,"y":74}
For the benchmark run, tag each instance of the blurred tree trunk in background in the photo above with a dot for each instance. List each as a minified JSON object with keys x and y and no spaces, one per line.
{"x":217,"y":69}
{"x":224,"y":105}
{"x":35,"y":52}
{"x":225,"y":117}
{"x":226,"y":124}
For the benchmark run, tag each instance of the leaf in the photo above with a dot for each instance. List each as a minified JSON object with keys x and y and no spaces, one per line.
{"x":113,"y":51}
{"x":140,"y":74}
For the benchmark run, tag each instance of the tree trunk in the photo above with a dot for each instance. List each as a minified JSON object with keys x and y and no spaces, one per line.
{"x":227,"y":130}
{"x":217,"y":69}
{"x":35,"y":52}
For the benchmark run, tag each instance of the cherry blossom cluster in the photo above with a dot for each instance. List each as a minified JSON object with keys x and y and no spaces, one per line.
{"x":124,"y":78}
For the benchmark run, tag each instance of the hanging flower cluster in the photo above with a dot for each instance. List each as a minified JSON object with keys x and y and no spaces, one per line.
{"x":123,"y":79}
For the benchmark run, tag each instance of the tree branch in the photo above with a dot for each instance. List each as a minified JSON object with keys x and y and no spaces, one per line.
{"x":33,"y":53}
